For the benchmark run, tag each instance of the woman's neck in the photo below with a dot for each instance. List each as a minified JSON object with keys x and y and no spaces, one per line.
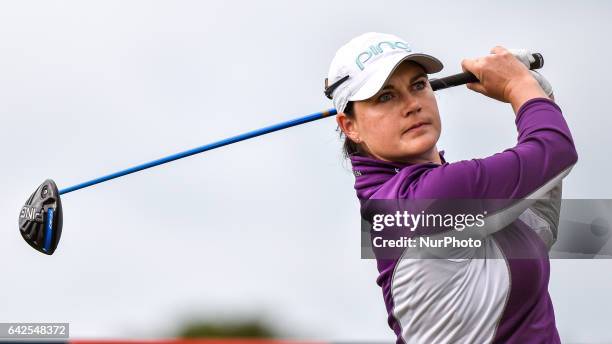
{"x":430,"y":156}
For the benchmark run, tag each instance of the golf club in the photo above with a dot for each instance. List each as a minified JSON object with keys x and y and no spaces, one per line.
{"x":40,"y":219}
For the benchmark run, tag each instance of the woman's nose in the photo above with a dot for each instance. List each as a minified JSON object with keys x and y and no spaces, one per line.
{"x":411,"y":105}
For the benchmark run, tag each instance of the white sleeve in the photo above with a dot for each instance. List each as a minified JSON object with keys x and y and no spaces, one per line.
{"x":543,"y":215}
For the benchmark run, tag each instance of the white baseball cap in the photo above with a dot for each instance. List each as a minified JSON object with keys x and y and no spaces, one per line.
{"x":362,"y":66}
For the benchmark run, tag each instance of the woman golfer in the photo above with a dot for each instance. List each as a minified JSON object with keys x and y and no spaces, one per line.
{"x":389,"y":115}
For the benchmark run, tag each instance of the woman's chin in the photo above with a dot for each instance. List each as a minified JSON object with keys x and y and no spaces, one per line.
{"x":421,"y":146}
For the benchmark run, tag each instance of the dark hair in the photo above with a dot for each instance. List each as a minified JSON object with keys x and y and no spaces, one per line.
{"x":350,"y":147}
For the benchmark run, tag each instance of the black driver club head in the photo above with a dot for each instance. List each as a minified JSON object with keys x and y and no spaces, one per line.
{"x":40,"y":219}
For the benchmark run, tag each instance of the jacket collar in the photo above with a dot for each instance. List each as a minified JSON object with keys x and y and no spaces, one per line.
{"x":371,"y":173}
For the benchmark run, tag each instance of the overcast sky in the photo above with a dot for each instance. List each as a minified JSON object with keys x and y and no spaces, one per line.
{"x":267,"y":227}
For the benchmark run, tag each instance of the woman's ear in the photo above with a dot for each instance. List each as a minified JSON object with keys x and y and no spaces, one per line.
{"x":348,"y":126}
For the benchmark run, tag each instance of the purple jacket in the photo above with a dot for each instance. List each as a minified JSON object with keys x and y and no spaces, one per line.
{"x":497,"y":299}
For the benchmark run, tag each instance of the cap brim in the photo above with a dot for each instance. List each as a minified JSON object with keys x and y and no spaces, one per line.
{"x":429,"y":63}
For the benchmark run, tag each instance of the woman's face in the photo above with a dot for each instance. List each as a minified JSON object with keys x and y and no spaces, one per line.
{"x":399,"y":123}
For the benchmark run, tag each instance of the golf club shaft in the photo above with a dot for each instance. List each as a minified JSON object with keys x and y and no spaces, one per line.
{"x":436,"y":84}
{"x":217,"y":144}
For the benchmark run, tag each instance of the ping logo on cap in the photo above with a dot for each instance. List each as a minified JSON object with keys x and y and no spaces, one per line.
{"x":377,"y":49}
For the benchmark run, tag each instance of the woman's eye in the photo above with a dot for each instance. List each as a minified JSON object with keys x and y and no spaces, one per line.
{"x":420,"y":85}
{"x":385,"y":97}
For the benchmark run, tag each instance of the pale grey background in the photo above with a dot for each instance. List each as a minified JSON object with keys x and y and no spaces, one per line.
{"x":267,"y":227}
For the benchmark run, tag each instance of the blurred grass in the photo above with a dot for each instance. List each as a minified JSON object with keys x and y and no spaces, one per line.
{"x":209,"y":329}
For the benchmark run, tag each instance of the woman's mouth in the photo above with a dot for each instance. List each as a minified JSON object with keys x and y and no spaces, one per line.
{"x":416,"y":126}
